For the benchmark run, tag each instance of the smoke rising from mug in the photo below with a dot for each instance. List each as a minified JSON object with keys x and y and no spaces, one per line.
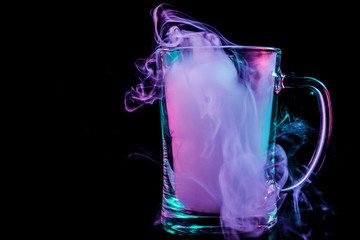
{"x":169,"y":32}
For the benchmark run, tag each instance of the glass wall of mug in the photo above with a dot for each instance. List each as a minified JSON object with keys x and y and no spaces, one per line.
{"x":218,"y":112}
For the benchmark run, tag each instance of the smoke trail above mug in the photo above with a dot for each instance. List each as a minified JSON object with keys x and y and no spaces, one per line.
{"x":172,"y":29}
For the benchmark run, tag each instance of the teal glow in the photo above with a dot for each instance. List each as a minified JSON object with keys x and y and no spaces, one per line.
{"x":193,"y":229}
{"x":174,"y":202}
{"x":170,"y":56}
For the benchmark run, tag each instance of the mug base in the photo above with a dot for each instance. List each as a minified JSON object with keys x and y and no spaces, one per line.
{"x":188,"y":223}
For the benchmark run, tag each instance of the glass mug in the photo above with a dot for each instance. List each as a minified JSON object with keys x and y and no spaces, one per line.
{"x":218,"y":117}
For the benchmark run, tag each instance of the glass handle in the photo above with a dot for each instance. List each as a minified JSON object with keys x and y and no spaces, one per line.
{"x":324,"y":102}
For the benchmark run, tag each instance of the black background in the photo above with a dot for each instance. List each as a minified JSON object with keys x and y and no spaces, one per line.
{"x":110,"y":180}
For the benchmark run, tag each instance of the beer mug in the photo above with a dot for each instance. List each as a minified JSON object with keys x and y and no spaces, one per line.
{"x":218,"y":115}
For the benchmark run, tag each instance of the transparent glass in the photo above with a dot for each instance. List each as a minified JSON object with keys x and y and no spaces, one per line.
{"x":218,"y":118}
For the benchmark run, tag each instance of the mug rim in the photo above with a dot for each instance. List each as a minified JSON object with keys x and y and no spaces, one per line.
{"x":240,"y":47}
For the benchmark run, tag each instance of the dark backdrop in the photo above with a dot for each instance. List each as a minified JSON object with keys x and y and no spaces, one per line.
{"x":109,"y":160}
